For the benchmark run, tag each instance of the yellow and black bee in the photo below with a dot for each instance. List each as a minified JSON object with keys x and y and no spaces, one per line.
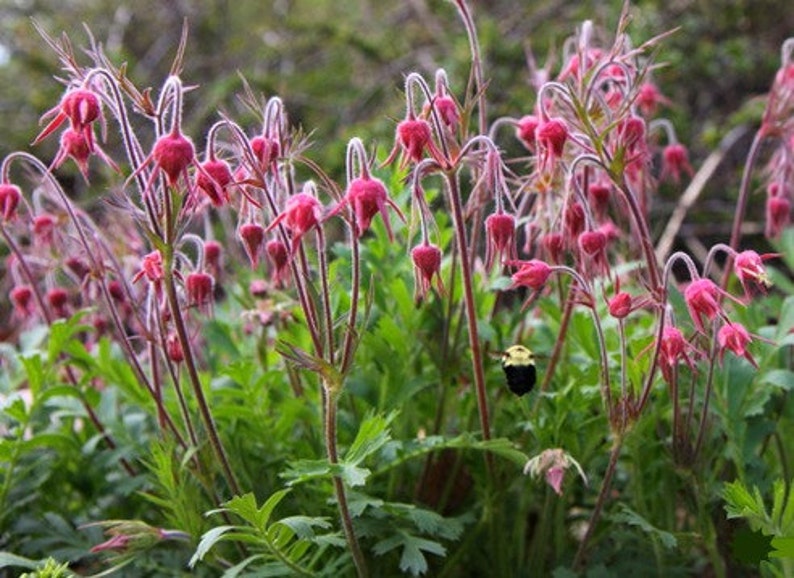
{"x":518,"y":363}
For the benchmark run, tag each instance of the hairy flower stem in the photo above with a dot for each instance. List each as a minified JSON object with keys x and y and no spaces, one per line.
{"x":617,"y":445}
{"x":195,"y":382}
{"x":330,"y":394}
{"x":471,"y":311}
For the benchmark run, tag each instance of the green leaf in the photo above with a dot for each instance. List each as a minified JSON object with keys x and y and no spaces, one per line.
{"x":782,"y":378}
{"x":632,"y":518}
{"x":740,"y":503}
{"x":303,"y":471}
{"x":208,"y":540}
{"x":245,"y":507}
{"x":783,"y":547}
{"x":8,"y":559}
{"x":303,"y":526}
{"x":372,"y":435}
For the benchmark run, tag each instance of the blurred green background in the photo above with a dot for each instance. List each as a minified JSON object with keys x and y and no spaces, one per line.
{"x":339,"y":64}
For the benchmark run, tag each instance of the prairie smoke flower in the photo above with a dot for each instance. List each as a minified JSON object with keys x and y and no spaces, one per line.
{"x":554,"y":245}
{"x":551,"y":136}
{"x":21,"y":297}
{"x":672,"y":350}
{"x":552,"y":464}
{"x":252,"y":236}
{"x":525,"y":131}
{"x":58,"y":300}
{"x":749,"y":268}
{"x":703,"y":299}
{"x":675,"y":160}
{"x":151,"y":268}
{"x":173,"y":153}
{"x":533,"y":273}
{"x":199,"y":287}
{"x":266,"y":150}
{"x":574,"y":220}
{"x":301,"y":214}
{"x":44,"y":228}
{"x":213,"y":178}
{"x":174,"y":348}
{"x":80,"y":106}
{"x":649,"y":98}
{"x":620,"y":305}
{"x":367,"y":197}
{"x":500,"y":229}
{"x":778,"y":214}
{"x":427,"y":266}
{"x":79,"y":146}
{"x":213,"y":252}
{"x":278,"y":254}
{"x":735,"y":338}
{"x":447,"y":110}
{"x":10,"y":195}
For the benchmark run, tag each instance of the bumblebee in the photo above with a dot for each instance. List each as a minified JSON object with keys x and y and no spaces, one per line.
{"x":518,"y":363}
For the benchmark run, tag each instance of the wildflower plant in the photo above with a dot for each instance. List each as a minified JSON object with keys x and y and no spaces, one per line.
{"x":235,"y":333}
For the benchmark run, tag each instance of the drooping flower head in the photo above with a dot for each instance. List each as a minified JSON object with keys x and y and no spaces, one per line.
{"x":735,"y":338}
{"x":367,"y":196}
{"x":749,"y":268}
{"x":533,"y":274}
{"x":500,"y":232}
{"x":427,"y":267}
{"x":702,"y":298}
{"x":302,"y":212}
{"x":552,"y":464}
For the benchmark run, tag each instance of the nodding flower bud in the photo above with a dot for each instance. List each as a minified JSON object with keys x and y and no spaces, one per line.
{"x":649,"y":98}
{"x":533,"y":274}
{"x":703,"y":298}
{"x":213,"y":252}
{"x":368,"y":197}
{"x":117,"y":292}
{"x":632,"y":133}
{"x":749,"y":268}
{"x":672,"y":349}
{"x":500,"y":229}
{"x":44,"y":228}
{"x":151,"y":268}
{"x":22,"y":298}
{"x":574,"y":220}
{"x":173,"y":153}
{"x":447,"y":109}
{"x":592,"y":243}
{"x":278,"y":254}
{"x":778,"y":215}
{"x":675,"y":160}
{"x":301,"y":214}
{"x":266,"y":151}
{"x":81,"y":106}
{"x":252,"y":236}
{"x":58,"y":299}
{"x":76,"y":146}
{"x":620,"y":305}
{"x":78,"y":267}
{"x":10,"y":195}
{"x":198,"y":287}
{"x":174,"y":348}
{"x":427,"y":266}
{"x":735,"y":338}
{"x":525,"y":131}
{"x":213,"y":179}
{"x":552,"y":135}
{"x":554,"y":245}
{"x":414,"y":135}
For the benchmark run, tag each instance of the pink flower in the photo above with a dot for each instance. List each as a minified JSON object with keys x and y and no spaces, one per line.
{"x":278,"y":254}
{"x":778,"y":215}
{"x":533,"y":273}
{"x":213,"y":178}
{"x":447,"y":109}
{"x":252,"y":236}
{"x":500,"y":230}
{"x":525,"y":131}
{"x":620,"y":305}
{"x":703,"y":299}
{"x":58,"y":300}
{"x":672,"y":350}
{"x":649,"y":98}
{"x":301,"y":214}
{"x":44,"y":226}
{"x":734,"y":337}
{"x":675,"y":160}
{"x":427,"y":266}
{"x":80,"y":106}
{"x":118,"y":542}
{"x":173,"y":153}
{"x":749,"y":268}
{"x":151,"y":268}
{"x":213,"y":252}
{"x":10,"y":195}
{"x":199,"y":287}
{"x":175,"y":353}
{"x":551,"y":135}
{"x":22,"y":298}
{"x":552,"y":464}
{"x":367,"y":197}
{"x":79,"y":146}
{"x":267,"y":151}
{"x":554,"y":245}
{"x":592,"y":243}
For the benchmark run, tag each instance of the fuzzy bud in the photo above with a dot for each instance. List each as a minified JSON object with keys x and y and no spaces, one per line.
{"x":252,"y":235}
{"x":533,"y":274}
{"x":10,"y":195}
{"x":427,"y":265}
{"x":213,"y":178}
{"x":173,"y":153}
{"x":500,"y":229}
{"x":199,"y":288}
